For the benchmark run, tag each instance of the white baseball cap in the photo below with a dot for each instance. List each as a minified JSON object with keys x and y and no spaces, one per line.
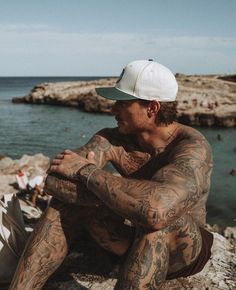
{"x":145,"y":80}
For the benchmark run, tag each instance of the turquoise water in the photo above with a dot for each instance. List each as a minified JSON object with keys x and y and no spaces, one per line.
{"x":30,"y":129}
{"x":222,"y":198}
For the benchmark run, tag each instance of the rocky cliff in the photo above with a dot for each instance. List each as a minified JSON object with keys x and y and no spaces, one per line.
{"x":202,"y":100}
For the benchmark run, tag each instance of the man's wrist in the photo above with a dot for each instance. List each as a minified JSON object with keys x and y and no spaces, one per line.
{"x":85,"y":173}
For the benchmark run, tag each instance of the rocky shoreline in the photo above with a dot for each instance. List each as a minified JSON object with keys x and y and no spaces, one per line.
{"x":208,"y":100}
{"x":89,"y":267}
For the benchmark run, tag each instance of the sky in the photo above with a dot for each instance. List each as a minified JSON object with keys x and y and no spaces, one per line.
{"x":98,"y":38}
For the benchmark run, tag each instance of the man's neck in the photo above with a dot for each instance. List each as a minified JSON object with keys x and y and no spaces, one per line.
{"x":156,"y":139}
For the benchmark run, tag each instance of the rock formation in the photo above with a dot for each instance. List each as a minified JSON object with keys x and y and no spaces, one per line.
{"x":202,"y":100}
{"x":79,"y":94}
{"x":207,"y":100}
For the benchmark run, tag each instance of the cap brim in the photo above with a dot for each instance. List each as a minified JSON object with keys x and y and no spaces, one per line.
{"x":113,"y":93}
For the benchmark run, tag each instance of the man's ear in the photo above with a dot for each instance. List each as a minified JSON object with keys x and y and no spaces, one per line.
{"x":153,"y":108}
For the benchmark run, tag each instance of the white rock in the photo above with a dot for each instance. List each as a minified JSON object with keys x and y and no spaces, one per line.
{"x":230,"y":234}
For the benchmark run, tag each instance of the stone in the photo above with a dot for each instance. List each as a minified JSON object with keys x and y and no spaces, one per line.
{"x":230,"y":234}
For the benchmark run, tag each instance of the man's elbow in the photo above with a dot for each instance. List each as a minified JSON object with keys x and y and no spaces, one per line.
{"x":156,"y":226}
{"x":154,"y":220}
{"x":158,"y":219}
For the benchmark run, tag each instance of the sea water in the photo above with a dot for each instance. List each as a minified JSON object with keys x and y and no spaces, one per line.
{"x":30,"y":129}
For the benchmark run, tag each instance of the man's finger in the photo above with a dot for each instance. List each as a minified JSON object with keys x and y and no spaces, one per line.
{"x":53,"y":168}
{"x":56,"y":161}
{"x":67,"y":151}
{"x":60,"y":156}
{"x":90,"y":155}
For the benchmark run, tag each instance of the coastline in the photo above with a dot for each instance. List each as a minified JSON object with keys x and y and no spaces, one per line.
{"x":203,"y":100}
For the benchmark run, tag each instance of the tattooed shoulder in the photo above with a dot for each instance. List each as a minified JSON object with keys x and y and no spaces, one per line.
{"x":190,"y":157}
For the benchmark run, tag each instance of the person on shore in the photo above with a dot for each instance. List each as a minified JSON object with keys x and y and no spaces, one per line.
{"x":165,"y":170}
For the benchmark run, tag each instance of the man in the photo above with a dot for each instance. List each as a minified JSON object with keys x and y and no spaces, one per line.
{"x":165,"y":172}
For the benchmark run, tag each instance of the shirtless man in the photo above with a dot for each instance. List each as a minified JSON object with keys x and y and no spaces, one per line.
{"x":165,"y":172}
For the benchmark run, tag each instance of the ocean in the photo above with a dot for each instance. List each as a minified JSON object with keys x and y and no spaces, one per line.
{"x":30,"y":129}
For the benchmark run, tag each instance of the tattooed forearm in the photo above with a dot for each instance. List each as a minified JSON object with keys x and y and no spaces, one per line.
{"x":100,"y":146}
{"x":70,"y":192}
{"x":110,"y":145}
{"x":66,"y":189}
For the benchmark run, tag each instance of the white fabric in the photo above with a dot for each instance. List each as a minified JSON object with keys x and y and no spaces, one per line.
{"x":12,"y":236}
{"x":22,"y":180}
{"x":148,"y":80}
{"x":37,"y":180}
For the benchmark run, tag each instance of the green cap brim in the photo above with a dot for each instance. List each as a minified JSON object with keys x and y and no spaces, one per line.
{"x":113,"y":93}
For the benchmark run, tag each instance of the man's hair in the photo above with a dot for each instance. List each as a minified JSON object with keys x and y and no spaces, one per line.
{"x":167,"y":113}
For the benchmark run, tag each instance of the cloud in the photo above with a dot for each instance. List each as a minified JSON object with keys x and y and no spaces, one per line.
{"x":39,"y":49}
{"x":23,"y":28}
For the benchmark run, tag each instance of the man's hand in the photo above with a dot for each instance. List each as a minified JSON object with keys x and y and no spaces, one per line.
{"x":69,"y":163}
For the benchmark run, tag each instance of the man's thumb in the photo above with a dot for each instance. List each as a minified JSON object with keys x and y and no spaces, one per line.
{"x":91,"y":156}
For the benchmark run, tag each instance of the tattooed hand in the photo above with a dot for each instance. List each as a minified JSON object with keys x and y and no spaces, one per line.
{"x":69,"y":163}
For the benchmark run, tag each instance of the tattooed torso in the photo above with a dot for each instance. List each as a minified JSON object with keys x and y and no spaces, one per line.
{"x":188,"y":148}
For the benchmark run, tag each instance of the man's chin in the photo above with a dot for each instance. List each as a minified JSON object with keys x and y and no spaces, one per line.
{"x":122,"y":129}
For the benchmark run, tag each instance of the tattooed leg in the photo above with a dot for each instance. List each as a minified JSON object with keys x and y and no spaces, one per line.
{"x":46,"y":247}
{"x":185,"y":243}
{"x":107,"y":229}
{"x":147,"y":264}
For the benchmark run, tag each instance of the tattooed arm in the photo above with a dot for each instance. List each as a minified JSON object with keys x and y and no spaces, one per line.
{"x":69,"y":191}
{"x":107,"y":145}
{"x":155,"y":204}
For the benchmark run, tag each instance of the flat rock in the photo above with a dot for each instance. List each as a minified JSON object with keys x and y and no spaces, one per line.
{"x":230,"y":234}
{"x":79,"y":94}
{"x":208,"y":100}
